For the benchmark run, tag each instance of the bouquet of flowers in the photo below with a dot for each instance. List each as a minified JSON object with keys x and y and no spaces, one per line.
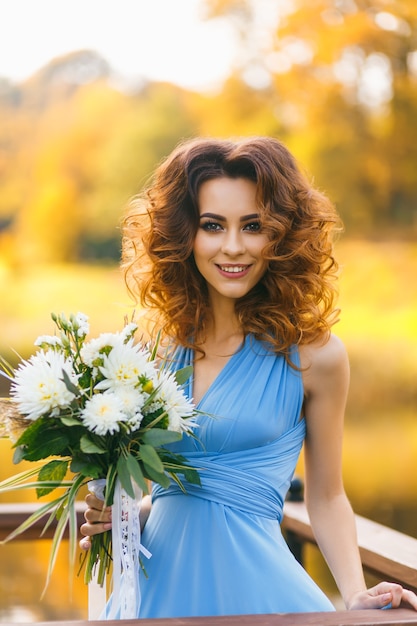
{"x":88,"y":410}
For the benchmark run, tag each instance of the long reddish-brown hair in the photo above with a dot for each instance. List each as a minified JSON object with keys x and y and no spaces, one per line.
{"x":293,"y":303}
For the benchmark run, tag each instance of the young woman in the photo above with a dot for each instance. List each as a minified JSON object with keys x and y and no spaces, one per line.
{"x":231,"y":247}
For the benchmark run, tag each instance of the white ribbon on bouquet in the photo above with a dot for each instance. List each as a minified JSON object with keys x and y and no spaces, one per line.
{"x":126,"y":545}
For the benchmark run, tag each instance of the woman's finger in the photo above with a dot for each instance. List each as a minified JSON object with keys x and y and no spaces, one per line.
{"x":92,"y":516}
{"x":410,"y":598}
{"x":94,"y":503}
{"x":85,"y":543}
{"x":95,"y":528}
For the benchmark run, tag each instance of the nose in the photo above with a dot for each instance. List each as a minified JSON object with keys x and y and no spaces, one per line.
{"x":233,"y":242}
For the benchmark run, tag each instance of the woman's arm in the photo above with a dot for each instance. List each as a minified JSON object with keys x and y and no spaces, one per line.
{"x":326,"y":382}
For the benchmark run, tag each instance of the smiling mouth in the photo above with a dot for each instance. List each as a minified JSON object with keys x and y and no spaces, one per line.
{"x":233,"y":269}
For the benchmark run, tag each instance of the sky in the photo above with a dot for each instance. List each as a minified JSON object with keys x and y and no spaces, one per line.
{"x":151,"y":39}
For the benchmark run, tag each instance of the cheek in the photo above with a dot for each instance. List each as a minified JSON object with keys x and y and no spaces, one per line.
{"x":257,"y":246}
{"x":204,"y":245}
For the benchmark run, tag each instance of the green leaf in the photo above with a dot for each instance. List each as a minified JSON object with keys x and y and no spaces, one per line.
{"x":55,"y":470}
{"x":177,"y":480}
{"x":53,"y":484}
{"x":43,"y":439}
{"x":90,"y":447}
{"x":150,"y":457}
{"x":61,"y":525}
{"x":73,"y":543}
{"x":157,"y":477}
{"x":55,"y":445}
{"x":86,"y":468}
{"x":69,"y":384}
{"x":154,"y":352}
{"x":136,"y":473}
{"x":158,"y":436}
{"x":69,"y":421}
{"x":32,"y":431}
{"x":192,"y":476}
{"x":8,"y":370}
{"x":17,"y":479}
{"x":110,"y":484}
{"x":183,"y":374}
{"x":124,"y":476}
{"x":19,"y":454}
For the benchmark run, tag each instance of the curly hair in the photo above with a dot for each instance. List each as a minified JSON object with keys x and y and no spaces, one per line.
{"x":294,"y":301}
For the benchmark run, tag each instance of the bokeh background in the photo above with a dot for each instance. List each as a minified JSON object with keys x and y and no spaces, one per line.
{"x":84,"y":121}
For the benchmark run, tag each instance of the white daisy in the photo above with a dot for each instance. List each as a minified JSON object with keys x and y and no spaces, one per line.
{"x":124,"y":366}
{"x":135,"y":421}
{"x":93,"y":350}
{"x":48,"y":341}
{"x":103,"y":413}
{"x":129,"y":330}
{"x":179,"y":409}
{"x":38,"y":386}
{"x":132,"y":400}
{"x":81,"y":326}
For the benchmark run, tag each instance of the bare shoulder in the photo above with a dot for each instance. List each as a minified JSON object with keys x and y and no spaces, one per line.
{"x":323,"y":363}
{"x":323,"y":353}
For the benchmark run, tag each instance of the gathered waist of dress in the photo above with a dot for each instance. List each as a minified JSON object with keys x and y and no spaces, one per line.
{"x":255,"y":480}
{"x":230,"y":487}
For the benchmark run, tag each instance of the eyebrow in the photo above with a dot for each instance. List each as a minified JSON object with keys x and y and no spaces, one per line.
{"x":221,"y":218}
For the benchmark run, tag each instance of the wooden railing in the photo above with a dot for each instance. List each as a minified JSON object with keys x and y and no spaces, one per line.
{"x":336,"y":618}
{"x":389,"y":554}
{"x":385,"y":552}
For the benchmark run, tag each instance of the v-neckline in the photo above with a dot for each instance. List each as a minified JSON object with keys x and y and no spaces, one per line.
{"x":219,"y":374}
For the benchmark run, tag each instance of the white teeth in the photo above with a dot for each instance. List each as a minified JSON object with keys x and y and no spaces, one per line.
{"x":235,"y":269}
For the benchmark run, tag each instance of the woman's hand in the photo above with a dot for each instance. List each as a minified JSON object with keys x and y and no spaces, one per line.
{"x":98,"y":520}
{"x":383,"y":595}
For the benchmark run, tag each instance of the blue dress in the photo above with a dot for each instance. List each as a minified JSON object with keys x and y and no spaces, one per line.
{"x":218,"y":550}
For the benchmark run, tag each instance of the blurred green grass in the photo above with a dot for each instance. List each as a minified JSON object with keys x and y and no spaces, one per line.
{"x":28,"y":298}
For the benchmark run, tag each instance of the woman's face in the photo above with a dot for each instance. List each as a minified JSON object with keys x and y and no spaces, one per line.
{"x":229,"y":241}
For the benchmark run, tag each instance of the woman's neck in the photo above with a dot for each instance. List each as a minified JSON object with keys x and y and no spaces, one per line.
{"x":223,"y":334}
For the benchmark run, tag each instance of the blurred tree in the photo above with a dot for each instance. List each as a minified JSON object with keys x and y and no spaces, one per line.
{"x":68,"y":138}
{"x":341,"y":77}
{"x":40,"y":156}
{"x":144,"y":130}
{"x":335,"y":79}
{"x":73,"y":151}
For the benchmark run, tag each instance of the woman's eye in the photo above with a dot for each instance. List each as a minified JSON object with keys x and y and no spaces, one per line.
{"x":210,"y":226}
{"x":253,"y":227}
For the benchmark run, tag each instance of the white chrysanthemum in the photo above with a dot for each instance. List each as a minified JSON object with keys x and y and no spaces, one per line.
{"x":82,"y":324}
{"x":92,"y":350}
{"x":102,"y":413}
{"x":38,"y":386}
{"x":124,"y":366}
{"x":176,"y":404}
{"x":135,"y":421}
{"x":48,"y":340}
{"x":131,"y":399}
